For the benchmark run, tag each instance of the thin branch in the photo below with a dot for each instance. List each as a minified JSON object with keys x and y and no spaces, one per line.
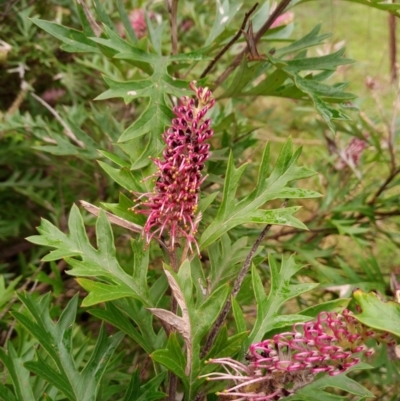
{"x":173,"y":381}
{"x":119,"y":221}
{"x":297,"y":231}
{"x":392,"y":47}
{"x":230,"y":43}
{"x":276,"y":13}
{"x":67,"y":130}
{"x":236,"y":287}
{"x":383,"y":187}
{"x":20,"y":98}
{"x":97,"y":30}
{"x":392,"y":128}
{"x":172,"y":6}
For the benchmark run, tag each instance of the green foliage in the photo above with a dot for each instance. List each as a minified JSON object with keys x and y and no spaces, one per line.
{"x":268,"y":316}
{"x":316,"y":390}
{"x":90,"y":262}
{"x":286,"y":80}
{"x":153,"y":314}
{"x":377,"y":313}
{"x":232,"y":213}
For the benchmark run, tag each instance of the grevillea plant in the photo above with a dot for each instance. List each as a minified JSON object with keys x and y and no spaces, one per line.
{"x":187,"y":295}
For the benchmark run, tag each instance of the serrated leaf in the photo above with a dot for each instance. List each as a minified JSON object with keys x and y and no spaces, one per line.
{"x":195,"y":322}
{"x":224,"y":346}
{"x":60,"y":381}
{"x":56,"y":340}
{"x":327,"y":62}
{"x":6,"y":394}
{"x":309,"y":40}
{"x":226,"y":259}
{"x":127,"y":24}
{"x":99,"y":292}
{"x":225,"y":11}
{"x":232,"y":213}
{"x":145,"y":392}
{"x":172,"y":357}
{"x":77,"y":41}
{"x":268,"y":315}
{"x":315,"y":391}
{"x":123,"y":177}
{"x":87,"y":261}
{"x":118,"y":319}
{"x":180,"y":324}
{"x":19,"y":375}
{"x":286,"y":78}
{"x":156,"y":114}
{"x":378,"y":314}
{"x":336,"y":305}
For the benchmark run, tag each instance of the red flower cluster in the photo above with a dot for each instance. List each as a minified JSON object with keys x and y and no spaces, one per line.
{"x":278,"y":366}
{"x":351,"y":155}
{"x":138,"y":22}
{"x":171,"y":208}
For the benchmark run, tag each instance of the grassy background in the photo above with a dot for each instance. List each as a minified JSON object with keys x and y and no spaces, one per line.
{"x":365,"y":31}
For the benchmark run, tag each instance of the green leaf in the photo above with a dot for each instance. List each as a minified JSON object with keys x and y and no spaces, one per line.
{"x":155,"y":35}
{"x":76,"y":41}
{"x":285,"y":78}
{"x":60,"y":381}
{"x":224,"y":346}
{"x":336,"y":305}
{"x":87,"y":261}
{"x":239,"y":316}
{"x":19,"y":375}
{"x":244,"y":74}
{"x":232,"y":213}
{"x":144,"y":392}
{"x":309,"y":40}
{"x":327,"y":62}
{"x":100,"y":292}
{"x":103,"y":15}
{"x":123,"y":177}
{"x":378,"y":314}
{"x":172,"y":357}
{"x":225,"y":11}
{"x":114,"y":158}
{"x":207,"y":313}
{"x":195,"y":321}
{"x":314,"y":391}
{"x":6,"y":394}
{"x":118,"y":319}
{"x":268,"y":314}
{"x":125,"y":21}
{"x":148,"y":392}
{"x":226,"y":259}
{"x":156,"y":114}
{"x":56,"y":340}
{"x":6,"y":293}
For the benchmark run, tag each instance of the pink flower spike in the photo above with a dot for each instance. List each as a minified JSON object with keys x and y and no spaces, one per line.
{"x":172,"y":207}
